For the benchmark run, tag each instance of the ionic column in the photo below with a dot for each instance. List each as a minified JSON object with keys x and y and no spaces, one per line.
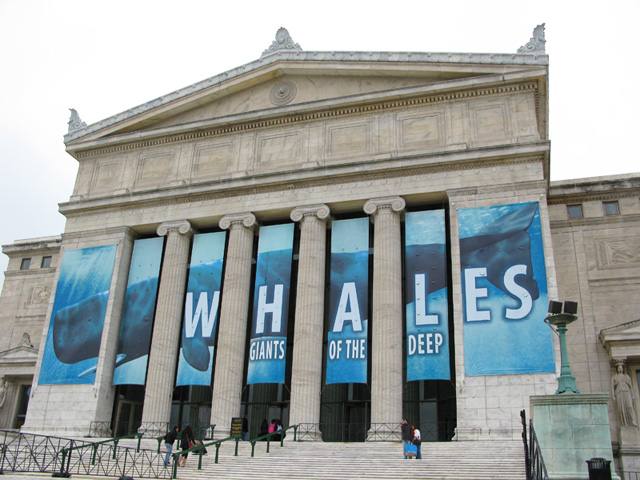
{"x":386,"y":364}
{"x":166,"y":327}
{"x":234,"y":313}
{"x":306,"y":374}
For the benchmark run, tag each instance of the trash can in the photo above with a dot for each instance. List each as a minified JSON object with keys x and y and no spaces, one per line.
{"x":599,"y":469}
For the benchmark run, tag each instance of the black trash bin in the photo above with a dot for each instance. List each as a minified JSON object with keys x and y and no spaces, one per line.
{"x":599,"y":469}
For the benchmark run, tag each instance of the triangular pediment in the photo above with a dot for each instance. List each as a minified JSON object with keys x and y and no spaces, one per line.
{"x":624,"y":331}
{"x":19,"y":355}
{"x":292,"y":83}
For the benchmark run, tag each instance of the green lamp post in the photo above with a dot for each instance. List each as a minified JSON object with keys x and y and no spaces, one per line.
{"x":560,"y":318}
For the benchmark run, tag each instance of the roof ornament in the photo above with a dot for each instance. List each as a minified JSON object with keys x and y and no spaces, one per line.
{"x":75,"y":122}
{"x":283,"y":41}
{"x":536,"y":43}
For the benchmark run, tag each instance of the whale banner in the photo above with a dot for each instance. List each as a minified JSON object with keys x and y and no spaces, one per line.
{"x":427,"y":301}
{"x":268,"y":346}
{"x":504,"y":287}
{"x":75,"y":330}
{"x":138,"y":312}
{"x":202,"y":302}
{"x":347,"y":339}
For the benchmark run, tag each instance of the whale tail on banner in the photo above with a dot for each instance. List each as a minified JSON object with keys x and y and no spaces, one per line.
{"x":502,"y":244}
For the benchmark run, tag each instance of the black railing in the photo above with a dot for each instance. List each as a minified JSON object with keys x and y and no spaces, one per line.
{"x":309,"y":432}
{"x":153,"y":429}
{"x":25,"y":452}
{"x":100,"y":429}
{"x":631,"y":476}
{"x":536,"y":469}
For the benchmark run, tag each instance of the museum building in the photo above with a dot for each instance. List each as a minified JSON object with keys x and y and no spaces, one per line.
{"x":338,"y":240}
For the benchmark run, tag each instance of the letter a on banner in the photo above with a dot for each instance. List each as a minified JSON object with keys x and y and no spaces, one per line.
{"x":427,"y":304}
{"x":504,"y":287}
{"x":201,"y":310}
{"x":138,"y":313}
{"x":348,"y":299}
{"x":268,"y":347}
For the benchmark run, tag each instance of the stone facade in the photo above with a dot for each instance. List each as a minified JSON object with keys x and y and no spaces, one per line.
{"x":309,"y":137}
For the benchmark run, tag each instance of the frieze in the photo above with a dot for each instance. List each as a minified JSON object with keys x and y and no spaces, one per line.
{"x":39,"y":296}
{"x":335,"y":182}
{"x":300,"y":118}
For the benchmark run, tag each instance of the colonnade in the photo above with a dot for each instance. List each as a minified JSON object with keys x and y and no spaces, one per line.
{"x":306,"y":377}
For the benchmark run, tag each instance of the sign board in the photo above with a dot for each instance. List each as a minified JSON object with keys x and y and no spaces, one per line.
{"x":236,"y":427}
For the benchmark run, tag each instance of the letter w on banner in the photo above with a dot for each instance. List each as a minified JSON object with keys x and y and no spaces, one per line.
{"x":504,"y":286}
{"x":427,"y":299}
{"x":201,"y":310}
{"x":348,"y":300}
{"x":268,"y":347}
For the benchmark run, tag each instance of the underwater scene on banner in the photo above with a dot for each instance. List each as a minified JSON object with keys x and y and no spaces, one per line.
{"x":347,"y":348}
{"x":504,"y":286}
{"x":138,"y":312}
{"x":268,"y":346}
{"x":427,"y":302}
{"x":75,"y":330}
{"x":201,"y":307}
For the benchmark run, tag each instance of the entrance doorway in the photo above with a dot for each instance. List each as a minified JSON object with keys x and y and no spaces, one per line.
{"x":345,"y":413}
{"x":127,"y":410}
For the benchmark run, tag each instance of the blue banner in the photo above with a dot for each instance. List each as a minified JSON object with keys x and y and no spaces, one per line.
{"x":504,"y":285}
{"x":348,"y":300}
{"x":427,"y":303}
{"x":201,"y":308}
{"x":75,"y":330}
{"x":138,"y":312}
{"x":268,"y":347}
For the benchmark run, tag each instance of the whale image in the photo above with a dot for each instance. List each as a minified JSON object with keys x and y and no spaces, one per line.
{"x":502,"y":244}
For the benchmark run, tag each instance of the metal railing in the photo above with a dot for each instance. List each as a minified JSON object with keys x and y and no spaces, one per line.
{"x":536,"y":469}
{"x":631,"y":476}
{"x":100,"y":429}
{"x":26,"y":452}
{"x":273,"y":436}
{"x":200,"y":450}
{"x":153,"y":429}
{"x":309,"y":432}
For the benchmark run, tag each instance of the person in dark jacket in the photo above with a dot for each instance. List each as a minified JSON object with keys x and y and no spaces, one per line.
{"x":264,"y":428}
{"x":186,"y":442}
{"x":169,"y":439}
{"x":406,"y":436}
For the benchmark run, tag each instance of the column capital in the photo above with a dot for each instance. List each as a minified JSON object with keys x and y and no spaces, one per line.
{"x":182,"y":227}
{"x":247,"y":220}
{"x":396,"y":204}
{"x":322,"y":212}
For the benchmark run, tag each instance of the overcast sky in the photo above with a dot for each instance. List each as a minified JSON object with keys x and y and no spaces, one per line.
{"x":102,"y":58}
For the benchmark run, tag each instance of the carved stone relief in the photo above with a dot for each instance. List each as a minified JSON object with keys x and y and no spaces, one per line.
{"x":618,"y":253}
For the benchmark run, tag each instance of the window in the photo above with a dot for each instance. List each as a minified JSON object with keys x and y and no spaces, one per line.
{"x":611,"y":208}
{"x":26,"y":262}
{"x":575,"y":211}
{"x":46,"y":262}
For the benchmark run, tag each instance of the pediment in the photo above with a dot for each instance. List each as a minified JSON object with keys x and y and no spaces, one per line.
{"x":289,"y":84}
{"x":622,"y":341}
{"x":19,"y":355}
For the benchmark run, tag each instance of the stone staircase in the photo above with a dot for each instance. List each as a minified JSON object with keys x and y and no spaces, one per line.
{"x":502,"y":460}
{"x":362,"y":461}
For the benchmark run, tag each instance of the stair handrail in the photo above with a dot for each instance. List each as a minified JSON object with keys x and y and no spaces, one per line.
{"x":199,"y":450}
{"x":268,"y":436}
{"x":534,"y":462}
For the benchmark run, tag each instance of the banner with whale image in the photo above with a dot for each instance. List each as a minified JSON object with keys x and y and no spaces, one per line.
{"x":77,"y":319}
{"x":268,"y":347}
{"x":427,"y":302}
{"x":202,"y":302}
{"x":138,"y":312}
{"x":347,"y":349}
{"x":504,"y":287}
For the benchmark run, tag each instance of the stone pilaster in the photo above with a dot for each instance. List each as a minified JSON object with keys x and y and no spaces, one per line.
{"x":166,"y":328}
{"x":386,"y":326}
{"x":306,"y":374}
{"x":234,"y":312}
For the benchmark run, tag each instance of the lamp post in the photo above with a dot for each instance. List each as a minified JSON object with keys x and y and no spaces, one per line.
{"x":560,"y":317}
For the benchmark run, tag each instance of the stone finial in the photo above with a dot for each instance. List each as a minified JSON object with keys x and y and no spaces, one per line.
{"x":75,"y":122}
{"x":26,"y":341}
{"x":283,"y":41}
{"x":536,"y":43}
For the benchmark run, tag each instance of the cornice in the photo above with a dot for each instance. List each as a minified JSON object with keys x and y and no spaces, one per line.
{"x":535,"y":185}
{"x":589,"y":197}
{"x":115,"y":231}
{"x":596,"y":221}
{"x":357,"y":109}
{"x":232,"y":191}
